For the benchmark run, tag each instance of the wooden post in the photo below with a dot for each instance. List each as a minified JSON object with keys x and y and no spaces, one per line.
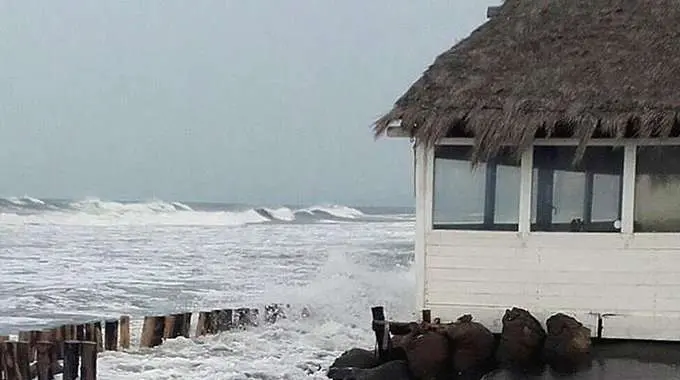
{"x":88,"y":367}
{"x":3,"y":339}
{"x":382,"y":339}
{"x":81,"y":332}
{"x":222,"y":320}
{"x":125,"y":331}
{"x":427,"y":316}
{"x":98,"y":338}
{"x":201,"y":324}
{"x":169,"y":326}
{"x":152,"y":332}
{"x":179,"y":325}
{"x":16,"y":361}
{"x":44,"y":351}
{"x":187,"y":325}
{"x":70,"y":332}
{"x":71,"y":359}
{"x":111,"y":335}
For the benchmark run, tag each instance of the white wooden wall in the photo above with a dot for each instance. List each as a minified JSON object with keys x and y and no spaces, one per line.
{"x":629,"y":282}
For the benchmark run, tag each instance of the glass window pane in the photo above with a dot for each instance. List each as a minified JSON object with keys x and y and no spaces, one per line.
{"x":576,"y":197}
{"x":657,"y":189}
{"x":485,"y":197}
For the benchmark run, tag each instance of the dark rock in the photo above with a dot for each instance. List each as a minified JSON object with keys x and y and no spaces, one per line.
{"x":393,"y":370}
{"x":473,"y":347}
{"x":567,"y":347}
{"x":427,"y":352}
{"x":356,"y":358}
{"x":522,"y":341}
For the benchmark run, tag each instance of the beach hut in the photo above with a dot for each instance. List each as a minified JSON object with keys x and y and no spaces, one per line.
{"x":547,"y":157}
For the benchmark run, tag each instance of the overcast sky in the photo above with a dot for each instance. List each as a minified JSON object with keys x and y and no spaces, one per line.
{"x":239,"y":101}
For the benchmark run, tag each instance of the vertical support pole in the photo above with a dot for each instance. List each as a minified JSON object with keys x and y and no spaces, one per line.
{"x":80,"y":332}
{"x":628,"y":191}
{"x":202,"y":324}
{"x":125,"y":332}
{"x":223,"y":320}
{"x":490,"y":194}
{"x":427,"y":316}
{"x":525,"y":189}
{"x":588,"y":199}
{"x":71,"y":359}
{"x":111,"y":335}
{"x":186,"y":327}
{"x":3,"y":339}
{"x":169,"y":327}
{"x":98,"y":336}
{"x":16,"y":361}
{"x":382,"y":339}
{"x":152,"y":331}
{"x":88,"y":367}
{"x":44,"y":351}
{"x":178,"y":325}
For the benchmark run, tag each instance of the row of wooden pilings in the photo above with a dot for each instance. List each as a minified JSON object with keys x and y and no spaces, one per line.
{"x":72,"y":349}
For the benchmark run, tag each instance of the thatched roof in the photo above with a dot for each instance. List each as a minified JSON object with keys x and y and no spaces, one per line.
{"x":547,"y":68}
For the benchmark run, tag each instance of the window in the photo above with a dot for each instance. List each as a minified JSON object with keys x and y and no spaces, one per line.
{"x":577,"y":197}
{"x":657,"y":189}
{"x":485,"y":197}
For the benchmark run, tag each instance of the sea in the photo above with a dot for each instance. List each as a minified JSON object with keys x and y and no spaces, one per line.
{"x":75,"y":261}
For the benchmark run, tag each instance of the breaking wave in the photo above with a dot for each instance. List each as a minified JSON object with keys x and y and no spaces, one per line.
{"x":28,"y":210}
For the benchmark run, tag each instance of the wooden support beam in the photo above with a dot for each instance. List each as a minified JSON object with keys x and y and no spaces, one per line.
{"x":44,"y":355}
{"x":202,"y":325}
{"x":395,"y":328}
{"x":169,"y":327}
{"x":98,"y":336}
{"x":16,"y":360}
{"x":71,"y":359}
{"x":186,"y":327}
{"x":125,"y":332}
{"x":222,"y":320}
{"x":382,"y":339}
{"x":111,"y":335}
{"x":152,"y":331}
{"x":88,"y":355}
{"x":493,"y":11}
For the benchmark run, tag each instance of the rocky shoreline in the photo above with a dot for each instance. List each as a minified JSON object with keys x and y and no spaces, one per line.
{"x":466,"y":349}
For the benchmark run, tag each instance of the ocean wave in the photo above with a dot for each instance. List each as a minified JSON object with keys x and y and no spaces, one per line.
{"x":28,"y":210}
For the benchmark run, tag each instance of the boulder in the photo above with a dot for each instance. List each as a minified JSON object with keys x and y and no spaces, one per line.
{"x":567,"y":347}
{"x":522,"y":341}
{"x":473,"y":347}
{"x":392,"y":370}
{"x":356,"y":358}
{"x":427,"y":352}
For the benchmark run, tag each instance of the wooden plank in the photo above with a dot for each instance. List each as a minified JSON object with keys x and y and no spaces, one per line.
{"x":125,"y":331}
{"x":111,"y":335}
{"x":169,"y":327}
{"x":152,"y":331}
{"x":44,"y":351}
{"x":186,"y":328}
{"x":88,"y":355}
{"x":71,"y":359}
{"x":16,"y":360}
{"x":98,"y":336}
{"x":178,"y":325}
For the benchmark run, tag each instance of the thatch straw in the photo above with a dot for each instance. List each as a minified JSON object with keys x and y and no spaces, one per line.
{"x":552,"y":68}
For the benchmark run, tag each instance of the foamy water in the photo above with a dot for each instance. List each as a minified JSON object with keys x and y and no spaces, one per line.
{"x":75,"y":261}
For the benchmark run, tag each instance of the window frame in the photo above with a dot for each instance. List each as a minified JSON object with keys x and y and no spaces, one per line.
{"x":526,"y":173}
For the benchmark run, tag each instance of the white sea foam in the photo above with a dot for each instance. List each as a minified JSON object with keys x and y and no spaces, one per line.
{"x":56,"y":274}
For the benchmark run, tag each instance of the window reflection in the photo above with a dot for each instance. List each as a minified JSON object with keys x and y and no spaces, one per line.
{"x":657,"y":189}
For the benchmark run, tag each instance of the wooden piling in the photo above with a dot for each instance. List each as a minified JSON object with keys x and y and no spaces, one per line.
{"x":71,"y":359}
{"x":152,"y":331}
{"x":202,"y":325}
{"x":427,"y":316}
{"x":111,"y":335}
{"x":80,"y":332}
{"x":70,"y":332}
{"x":3,"y":339}
{"x":125,"y":332}
{"x":382,"y":335}
{"x":177,"y":326}
{"x":169,"y":327}
{"x":44,"y":356}
{"x":16,"y":360}
{"x":186,"y":327}
{"x":98,"y":336}
{"x":88,"y":356}
{"x":222,"y":320}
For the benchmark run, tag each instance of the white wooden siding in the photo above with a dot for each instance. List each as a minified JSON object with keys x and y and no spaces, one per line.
{"x":627,"y":283}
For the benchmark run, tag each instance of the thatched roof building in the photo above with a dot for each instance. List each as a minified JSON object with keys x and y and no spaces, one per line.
{"x":552,"y":68}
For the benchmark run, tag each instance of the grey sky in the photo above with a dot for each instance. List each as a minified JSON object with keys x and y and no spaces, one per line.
{"x":239,"y":101}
